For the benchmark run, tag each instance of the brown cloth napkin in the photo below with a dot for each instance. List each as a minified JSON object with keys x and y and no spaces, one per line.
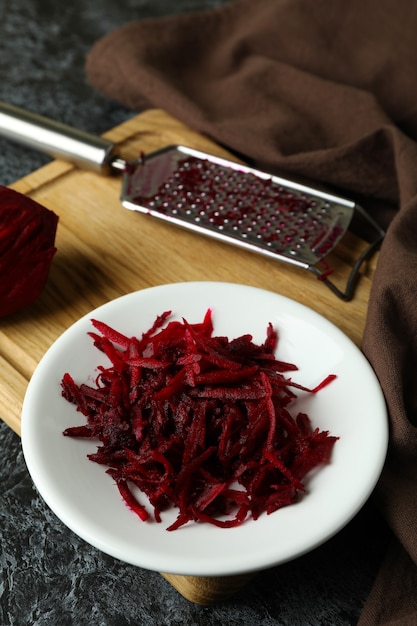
{"x":327,"y":90}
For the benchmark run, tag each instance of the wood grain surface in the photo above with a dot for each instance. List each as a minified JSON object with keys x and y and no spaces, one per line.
{"x":105,"y":251}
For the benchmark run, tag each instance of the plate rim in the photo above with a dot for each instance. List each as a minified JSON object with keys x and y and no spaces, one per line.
{"x":185,"y":567}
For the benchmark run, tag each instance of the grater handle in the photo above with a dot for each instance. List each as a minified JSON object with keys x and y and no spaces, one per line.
{"x":57,"y":140}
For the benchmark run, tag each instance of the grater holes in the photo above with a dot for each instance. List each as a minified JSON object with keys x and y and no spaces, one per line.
{"x":221,"y":198}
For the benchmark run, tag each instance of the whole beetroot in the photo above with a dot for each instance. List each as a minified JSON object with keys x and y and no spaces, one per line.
{"x":27,"y":246}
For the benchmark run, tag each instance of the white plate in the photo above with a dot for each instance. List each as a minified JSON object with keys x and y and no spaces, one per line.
{"x":87,"y":501}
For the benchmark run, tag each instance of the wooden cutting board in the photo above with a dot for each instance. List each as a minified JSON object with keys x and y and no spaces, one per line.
{"x":105,"y":251}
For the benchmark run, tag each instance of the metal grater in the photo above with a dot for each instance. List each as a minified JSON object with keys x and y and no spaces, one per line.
{"x":230,"y":202}
{"x":243,"y":206}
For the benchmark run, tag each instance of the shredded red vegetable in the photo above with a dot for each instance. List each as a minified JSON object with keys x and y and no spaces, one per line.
{"x":198,"y":422}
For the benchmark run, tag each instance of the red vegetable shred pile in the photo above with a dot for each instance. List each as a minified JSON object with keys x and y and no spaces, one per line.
{"x":197,"y":421}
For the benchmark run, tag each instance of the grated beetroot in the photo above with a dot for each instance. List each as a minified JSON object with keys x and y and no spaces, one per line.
{"x":198,"y":422}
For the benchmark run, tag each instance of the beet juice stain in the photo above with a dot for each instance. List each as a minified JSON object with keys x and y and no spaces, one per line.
{"x":221,"y":198}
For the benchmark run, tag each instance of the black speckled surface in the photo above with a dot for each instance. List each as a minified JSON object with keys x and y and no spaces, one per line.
{"x":48,"y":576}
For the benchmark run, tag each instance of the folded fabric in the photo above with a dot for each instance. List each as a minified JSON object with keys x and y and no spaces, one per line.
{"x":324,"y":90}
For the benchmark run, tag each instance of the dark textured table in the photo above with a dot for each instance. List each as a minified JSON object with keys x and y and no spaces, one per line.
{"x":48,"y":575}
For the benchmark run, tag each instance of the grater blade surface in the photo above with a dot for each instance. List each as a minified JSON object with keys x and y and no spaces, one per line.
{"x":237,"y":204}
